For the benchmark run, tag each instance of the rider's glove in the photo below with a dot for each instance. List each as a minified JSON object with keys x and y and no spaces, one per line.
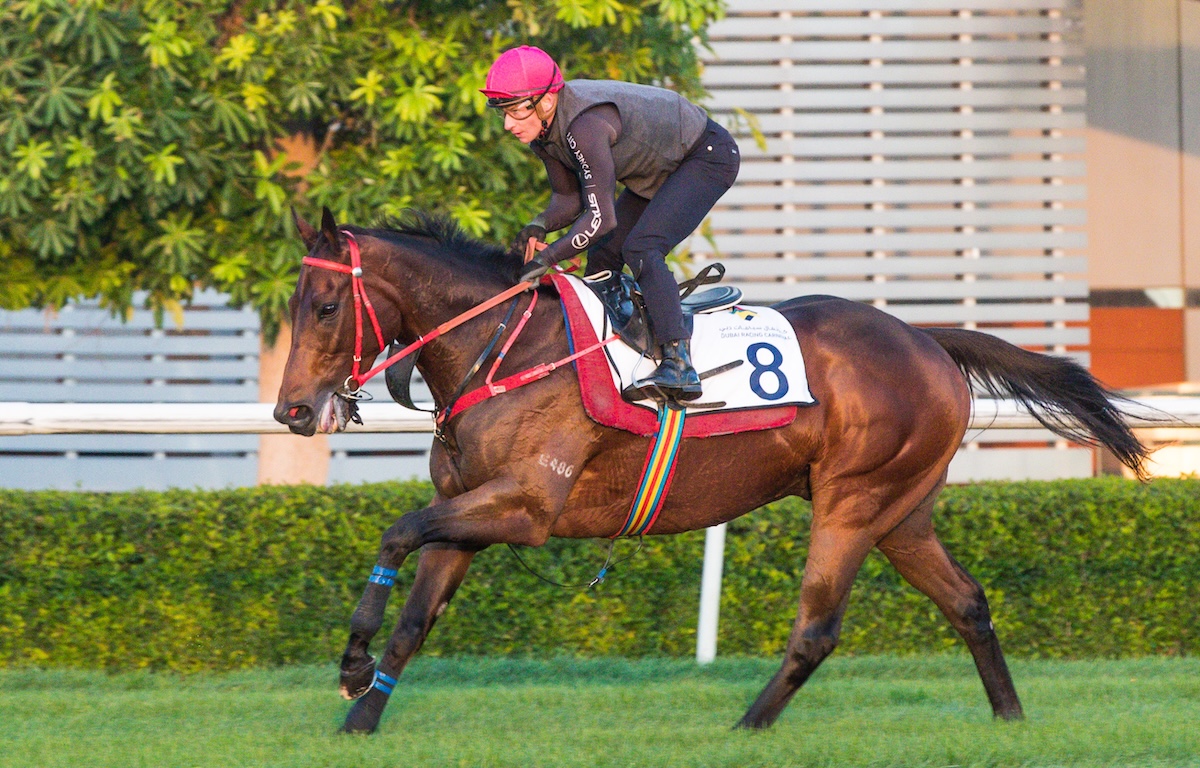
{"x":521,"y":242}
{"x":534,"y":269}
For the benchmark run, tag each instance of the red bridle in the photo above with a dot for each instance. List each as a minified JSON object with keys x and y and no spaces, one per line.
{"x":354,"y":269}
{"x":490,"y":388}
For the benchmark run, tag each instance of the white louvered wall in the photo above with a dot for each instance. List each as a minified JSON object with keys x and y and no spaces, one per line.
{"x":924,"y":156}
{"x":83,"y":354}
{"x":919,"y":155}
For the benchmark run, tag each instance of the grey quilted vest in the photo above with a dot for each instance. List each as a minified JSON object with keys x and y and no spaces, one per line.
{"x":658,"y":127}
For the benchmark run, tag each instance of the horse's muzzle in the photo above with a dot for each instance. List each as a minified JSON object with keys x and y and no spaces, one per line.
{"x":301,"y":419}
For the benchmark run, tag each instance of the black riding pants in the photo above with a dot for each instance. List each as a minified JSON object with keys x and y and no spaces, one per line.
{"x":647,"y":230}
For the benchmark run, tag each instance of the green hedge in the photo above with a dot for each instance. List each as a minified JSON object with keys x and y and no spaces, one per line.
{"x":226,"y":579}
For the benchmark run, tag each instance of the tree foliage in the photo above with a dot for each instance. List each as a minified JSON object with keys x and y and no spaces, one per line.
{"x":139,"y":140}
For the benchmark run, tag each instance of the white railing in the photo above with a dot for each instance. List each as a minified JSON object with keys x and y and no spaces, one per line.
{"x":183,"y":418}
{"x":20,"y":418}
{"x":1160,"y":414}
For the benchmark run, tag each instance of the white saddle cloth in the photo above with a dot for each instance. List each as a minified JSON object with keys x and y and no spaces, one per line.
{"x":769,"y":370}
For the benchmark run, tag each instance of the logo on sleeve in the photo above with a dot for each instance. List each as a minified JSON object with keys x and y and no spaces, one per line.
{"x":584,"y":168}
{"x":581,"y":240}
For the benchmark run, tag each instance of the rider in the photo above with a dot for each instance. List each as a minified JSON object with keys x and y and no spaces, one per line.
{"x":674,"y":162}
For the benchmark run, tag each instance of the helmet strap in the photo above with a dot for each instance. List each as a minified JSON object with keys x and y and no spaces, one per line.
{"x":544,"y":114}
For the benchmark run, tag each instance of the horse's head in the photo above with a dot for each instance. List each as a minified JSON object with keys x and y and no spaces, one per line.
{"x":326,"y":325}
{"x":359,"y":291}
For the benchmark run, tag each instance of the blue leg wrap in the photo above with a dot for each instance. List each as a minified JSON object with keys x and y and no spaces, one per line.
{"x":384,"y":576}
{"x":385,"y":683}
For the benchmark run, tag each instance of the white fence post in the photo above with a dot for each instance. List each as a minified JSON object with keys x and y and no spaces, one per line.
{"x":710,"y":594}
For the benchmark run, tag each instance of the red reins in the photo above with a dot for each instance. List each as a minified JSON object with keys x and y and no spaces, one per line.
{"x":490,"y":389}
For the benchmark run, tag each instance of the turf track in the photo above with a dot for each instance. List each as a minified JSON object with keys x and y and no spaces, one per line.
{"x":869,"y":711}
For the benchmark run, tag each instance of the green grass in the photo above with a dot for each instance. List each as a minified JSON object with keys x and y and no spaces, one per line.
{"x":871,"y":711}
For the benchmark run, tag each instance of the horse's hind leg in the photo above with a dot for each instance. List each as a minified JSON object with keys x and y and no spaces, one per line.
{"x":440,"y":570}
{"x":834,"y":556}
{"x":915,"y":551}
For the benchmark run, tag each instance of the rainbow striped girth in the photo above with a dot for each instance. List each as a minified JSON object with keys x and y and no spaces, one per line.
{"x":657,"y":472}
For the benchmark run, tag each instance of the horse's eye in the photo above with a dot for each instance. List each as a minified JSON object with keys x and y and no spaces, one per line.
{"x":327,"y":310}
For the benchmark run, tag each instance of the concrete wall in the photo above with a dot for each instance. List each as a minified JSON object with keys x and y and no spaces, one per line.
{"x":1189,"y":62}
{"x":1143,"y":166}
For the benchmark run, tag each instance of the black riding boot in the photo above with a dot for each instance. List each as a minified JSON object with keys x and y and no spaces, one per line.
{"x":675,"y":377}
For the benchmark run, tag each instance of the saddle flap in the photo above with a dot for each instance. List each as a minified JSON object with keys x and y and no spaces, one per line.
{"x":623,"y":304}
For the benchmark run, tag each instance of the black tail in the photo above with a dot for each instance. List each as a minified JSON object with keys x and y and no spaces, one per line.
{"x":1059,"y":393}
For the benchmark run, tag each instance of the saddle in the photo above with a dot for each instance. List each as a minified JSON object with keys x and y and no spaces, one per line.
{"x":626,"y":308}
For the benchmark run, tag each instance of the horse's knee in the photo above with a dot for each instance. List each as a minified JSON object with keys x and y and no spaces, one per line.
{"x":396,"y":543}
{"x":973,"y":618}
{"x":365,"y":621}
{"x":817,"y":646}
{"x":807,"y":651}
{"x":411,"y":629}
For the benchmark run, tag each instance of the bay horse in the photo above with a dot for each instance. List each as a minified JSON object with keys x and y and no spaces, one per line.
{"x":893,"y":403}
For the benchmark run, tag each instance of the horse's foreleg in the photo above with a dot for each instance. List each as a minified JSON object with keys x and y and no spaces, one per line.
{"x":440,"y":570}
{"x":914,"y":549}
{"x":497,"y":512}
{"x":358,"y":665}
{"x":834,"y":557}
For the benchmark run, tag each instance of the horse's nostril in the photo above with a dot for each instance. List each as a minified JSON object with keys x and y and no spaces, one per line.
{"x":299,"y":414}
{"x":300,"y":419}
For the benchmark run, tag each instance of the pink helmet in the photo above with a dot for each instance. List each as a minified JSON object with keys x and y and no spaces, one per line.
{"x":521,"y":73}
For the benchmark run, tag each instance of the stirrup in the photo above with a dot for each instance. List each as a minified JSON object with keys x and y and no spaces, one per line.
{"x":634,"y":393}
{"x":647,"y":390}
{"x":656,"y":391}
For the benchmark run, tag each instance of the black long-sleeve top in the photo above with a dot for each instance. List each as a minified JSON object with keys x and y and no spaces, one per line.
{"x":584,"y":194}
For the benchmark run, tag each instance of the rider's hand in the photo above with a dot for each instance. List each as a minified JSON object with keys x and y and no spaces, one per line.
{"x":534,"y":269}
{"x":521,"y":243}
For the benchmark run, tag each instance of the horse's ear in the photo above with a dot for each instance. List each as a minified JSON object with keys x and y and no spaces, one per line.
{"x":307,"y":233}
{"x":329,"y":227}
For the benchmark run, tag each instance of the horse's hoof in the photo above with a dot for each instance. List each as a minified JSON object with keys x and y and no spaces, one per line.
{"x":751,"y":725}
{"x":355,"y":682}
{"x":363,"y":717}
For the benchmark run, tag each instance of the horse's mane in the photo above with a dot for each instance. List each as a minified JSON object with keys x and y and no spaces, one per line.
{"x":451,"y":241}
